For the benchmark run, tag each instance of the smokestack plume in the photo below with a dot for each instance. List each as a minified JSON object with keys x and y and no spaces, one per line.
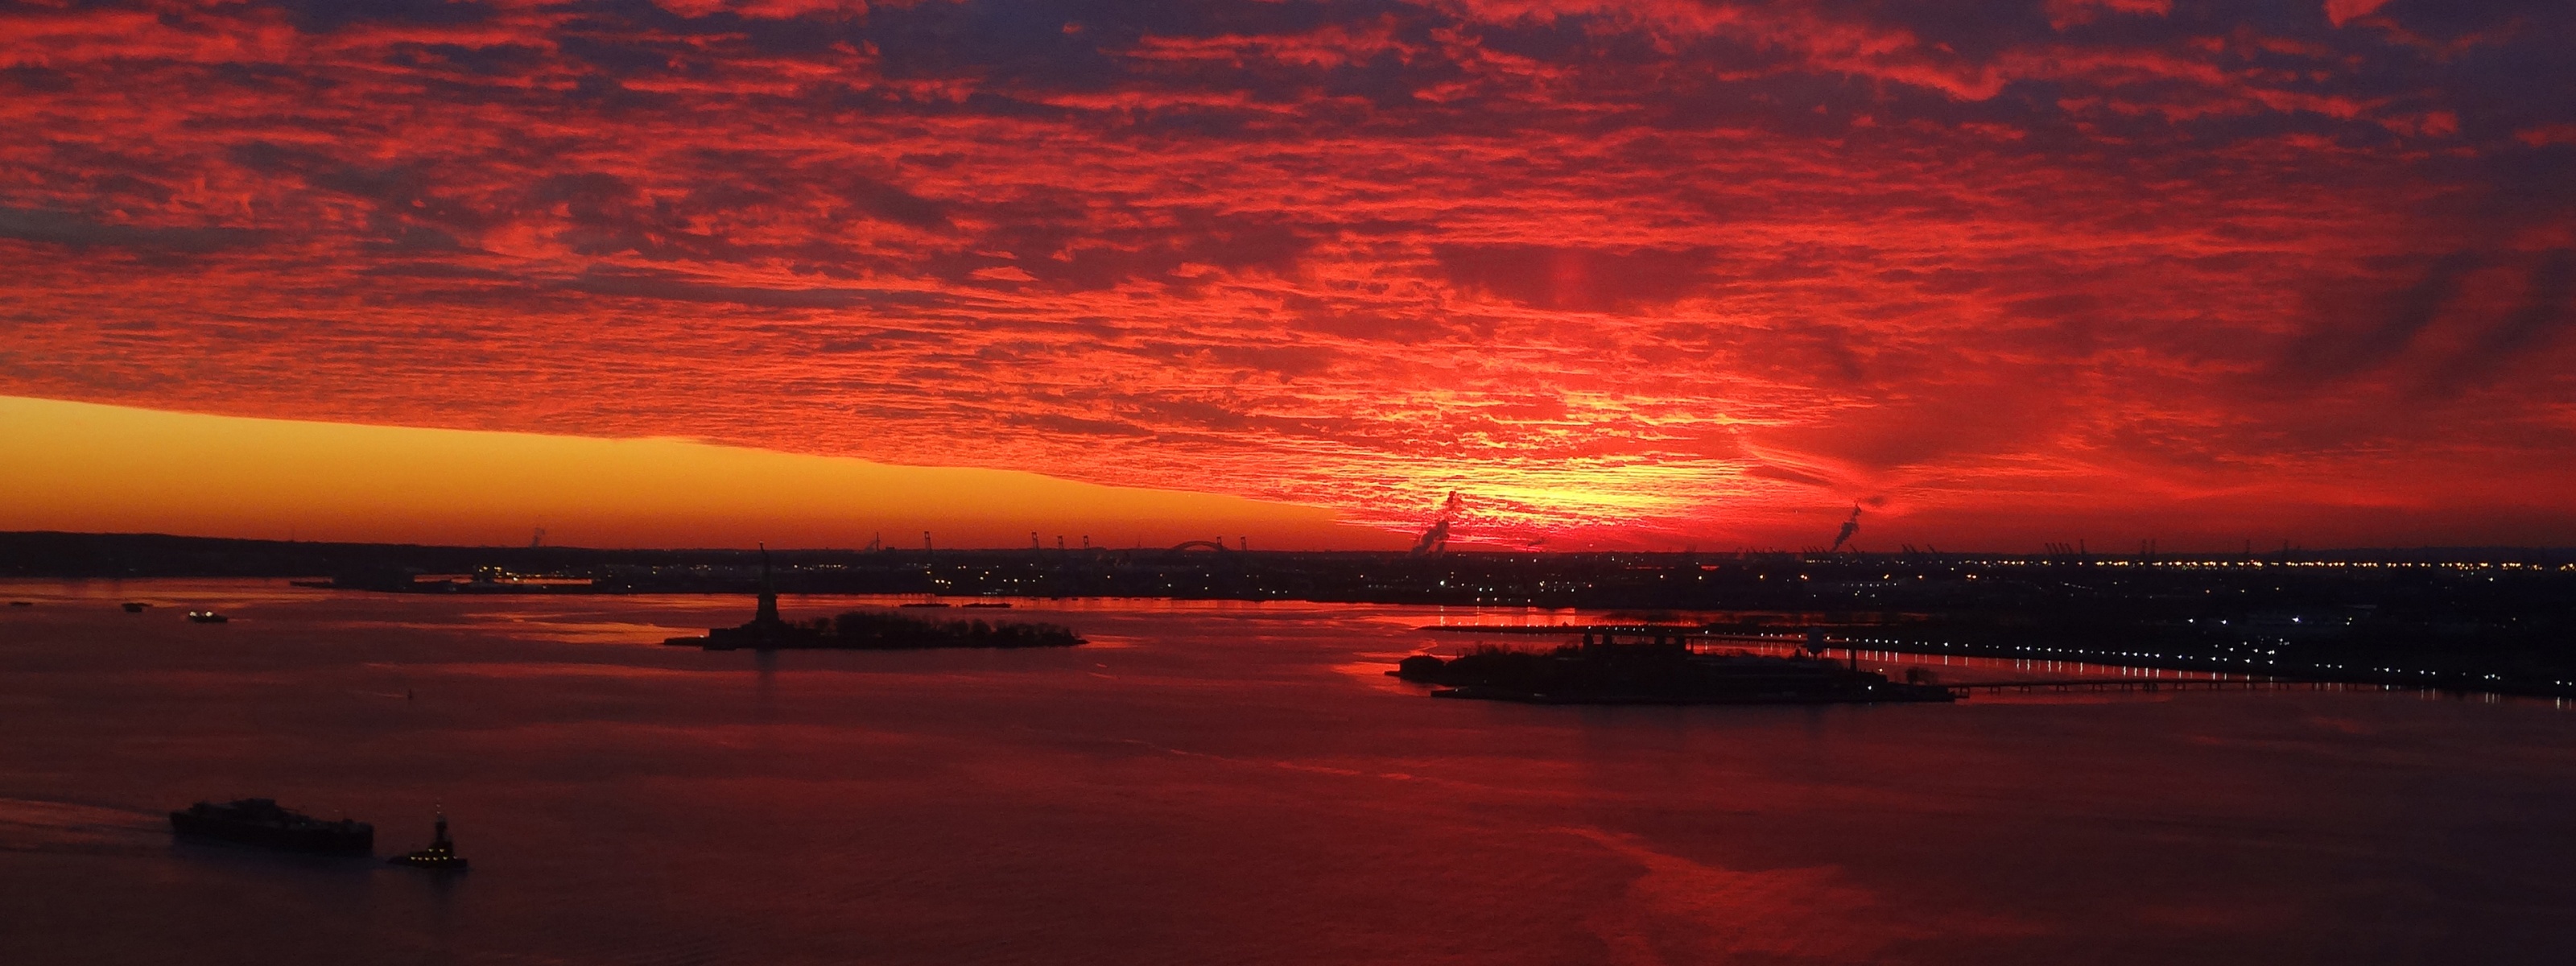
{"x":1850,"y":527}
{"x":1435,"y":539}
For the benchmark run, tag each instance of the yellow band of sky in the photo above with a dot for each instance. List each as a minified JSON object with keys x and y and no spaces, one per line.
{"x":83,"y":467}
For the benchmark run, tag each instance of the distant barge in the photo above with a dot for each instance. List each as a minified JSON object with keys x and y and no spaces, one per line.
{"x":260,"y":822}
{"x":1656,"y":672}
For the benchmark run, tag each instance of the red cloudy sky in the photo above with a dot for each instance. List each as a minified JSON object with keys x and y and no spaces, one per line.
{"x":1624,"y":272}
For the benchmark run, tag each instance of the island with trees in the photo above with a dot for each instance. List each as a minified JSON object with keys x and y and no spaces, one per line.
{"x":869,"y":630}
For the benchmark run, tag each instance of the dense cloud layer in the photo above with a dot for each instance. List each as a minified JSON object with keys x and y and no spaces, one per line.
{"x":1623,"y":271}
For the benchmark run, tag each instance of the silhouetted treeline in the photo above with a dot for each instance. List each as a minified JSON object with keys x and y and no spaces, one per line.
{"x":878,"y":629}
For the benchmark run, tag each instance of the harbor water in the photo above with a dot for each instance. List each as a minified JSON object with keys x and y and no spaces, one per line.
{"x":1206,"y":782}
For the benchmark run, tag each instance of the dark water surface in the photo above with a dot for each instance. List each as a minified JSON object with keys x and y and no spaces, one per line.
{"x":1208,"y":783}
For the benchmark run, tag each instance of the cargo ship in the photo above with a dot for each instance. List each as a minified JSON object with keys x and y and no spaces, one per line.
{"x":259,"y":821}
{"x":1655,"y":671}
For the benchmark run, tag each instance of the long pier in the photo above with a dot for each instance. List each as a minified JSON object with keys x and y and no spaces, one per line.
{"x":2222,"y":676}
{"x":2146,"y":684}
{"x":1702,"y":637}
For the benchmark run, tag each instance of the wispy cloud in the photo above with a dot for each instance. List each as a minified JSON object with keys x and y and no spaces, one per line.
{"x":1633,"y":269}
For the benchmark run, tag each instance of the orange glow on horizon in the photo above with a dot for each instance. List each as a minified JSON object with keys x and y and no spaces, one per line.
{"x":80,"y":467}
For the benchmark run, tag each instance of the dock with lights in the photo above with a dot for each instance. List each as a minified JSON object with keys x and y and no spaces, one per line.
{"x":2140,"y":684}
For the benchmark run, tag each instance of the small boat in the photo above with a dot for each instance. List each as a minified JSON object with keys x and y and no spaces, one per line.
{"x":206,"y":617}
{"x":135,"y":606}
{"x":440,"y":856}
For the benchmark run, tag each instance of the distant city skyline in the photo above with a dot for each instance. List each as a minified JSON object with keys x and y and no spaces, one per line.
{"x":1644,"y":274}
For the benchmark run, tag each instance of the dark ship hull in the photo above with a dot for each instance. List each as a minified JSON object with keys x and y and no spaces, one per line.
{"x":440,"y":856}
{"x":432,"y":862}
{"x":258,"y":821}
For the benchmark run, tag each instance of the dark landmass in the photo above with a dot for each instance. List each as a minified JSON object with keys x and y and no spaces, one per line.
{"x":2497,"y":620}
{"x":867,"y":630}
{"x":1658,"y":670}
{"x":879,"y":630}
{"x":882,"y":632}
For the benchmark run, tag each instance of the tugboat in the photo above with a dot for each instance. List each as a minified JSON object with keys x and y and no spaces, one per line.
{"x":259,"y":821}
{"x":206,"y":617}
{"x":440,"y":856}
